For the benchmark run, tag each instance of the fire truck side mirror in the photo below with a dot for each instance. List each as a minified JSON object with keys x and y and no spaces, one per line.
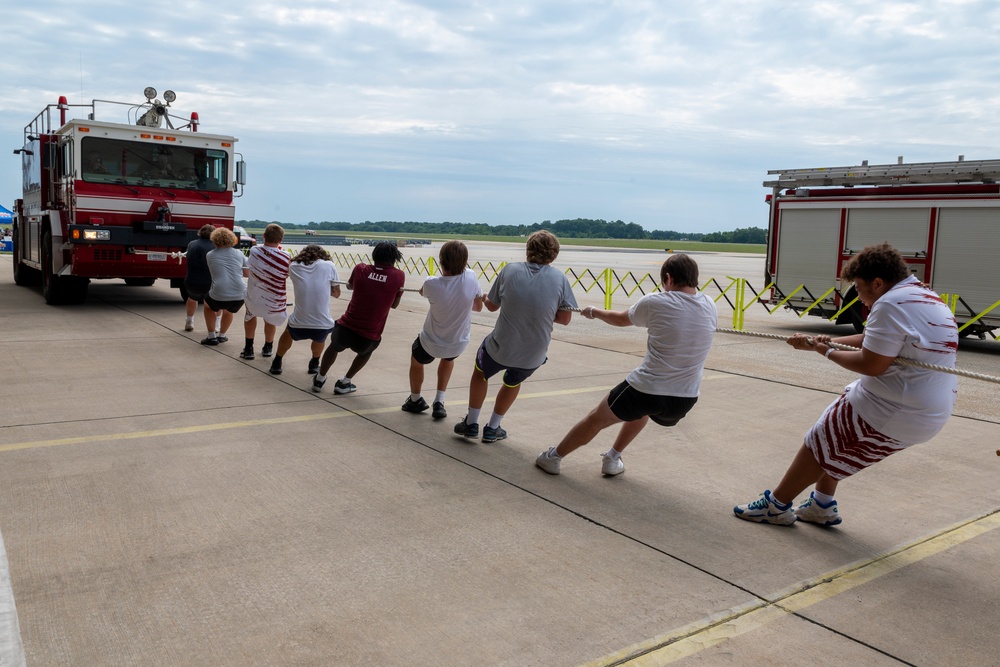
{"x":241,"y":173}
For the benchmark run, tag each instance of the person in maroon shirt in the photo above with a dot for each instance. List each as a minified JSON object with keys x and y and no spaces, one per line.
{"x":375,"y":289}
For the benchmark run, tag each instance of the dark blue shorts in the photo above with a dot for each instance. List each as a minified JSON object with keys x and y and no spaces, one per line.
{"x":512,"y":377}
{"x":197,"y":291}
{"x":629,"y":404}
{"x":300,"y":333}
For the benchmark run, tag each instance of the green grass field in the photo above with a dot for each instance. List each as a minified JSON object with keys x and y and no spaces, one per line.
{"x":645,"y":244}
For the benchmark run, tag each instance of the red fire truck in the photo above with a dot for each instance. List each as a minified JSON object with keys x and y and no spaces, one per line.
{"x":106,"y":199}
{"x":943,"y":217}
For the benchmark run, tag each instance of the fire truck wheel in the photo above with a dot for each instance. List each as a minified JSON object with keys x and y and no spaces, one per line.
{"x":140,"y":282}
{"x":24,"y":275}
{"x":59,"y":289}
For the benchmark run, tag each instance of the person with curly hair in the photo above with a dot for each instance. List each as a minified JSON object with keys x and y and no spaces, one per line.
{"x":376,"y":289}
{"x":314,"y":280}
{"x":228,"y":267}
{"x":888,"y":409}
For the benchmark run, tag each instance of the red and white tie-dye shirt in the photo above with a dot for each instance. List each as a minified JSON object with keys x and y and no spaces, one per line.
{"x":908,"y":403}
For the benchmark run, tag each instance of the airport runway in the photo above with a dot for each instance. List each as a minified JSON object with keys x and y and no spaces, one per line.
{"x":166,"y":503}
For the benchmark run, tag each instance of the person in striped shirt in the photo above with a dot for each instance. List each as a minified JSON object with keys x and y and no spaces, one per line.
{"x":266,"y":290}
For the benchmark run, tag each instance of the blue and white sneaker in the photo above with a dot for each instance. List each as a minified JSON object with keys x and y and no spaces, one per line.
{"x":816,"y":512}
{"x":493,"y":434}
{"x":766,"y":510}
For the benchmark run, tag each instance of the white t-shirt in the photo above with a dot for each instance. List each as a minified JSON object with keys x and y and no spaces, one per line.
{"x":311,"y":285}
{"x":908,"y":403}
{"x":446,"y":329}
{"x":680,"y":331}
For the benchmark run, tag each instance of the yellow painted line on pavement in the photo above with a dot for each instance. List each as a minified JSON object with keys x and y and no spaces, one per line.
{"x":690,"y":639}
{"x":181,"y":430}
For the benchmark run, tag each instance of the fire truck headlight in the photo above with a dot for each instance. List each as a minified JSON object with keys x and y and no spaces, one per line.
{"x":97,"y":235}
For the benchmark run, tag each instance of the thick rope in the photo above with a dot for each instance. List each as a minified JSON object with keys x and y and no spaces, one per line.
{"x":903,"y":361}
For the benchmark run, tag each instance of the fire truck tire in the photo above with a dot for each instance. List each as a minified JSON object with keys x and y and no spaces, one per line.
{"x":24,"y":275}
{"x":59,"y":290}
{"x":858,"y":312}
{"x":140,"y":282}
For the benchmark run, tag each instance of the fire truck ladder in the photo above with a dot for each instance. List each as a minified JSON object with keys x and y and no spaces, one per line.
{"x":961,"y":171}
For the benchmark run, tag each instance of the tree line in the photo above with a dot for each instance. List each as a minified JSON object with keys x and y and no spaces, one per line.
{"x":579,"y":228}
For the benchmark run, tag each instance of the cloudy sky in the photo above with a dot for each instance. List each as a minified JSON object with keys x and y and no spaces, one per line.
{"x":663,"y":113}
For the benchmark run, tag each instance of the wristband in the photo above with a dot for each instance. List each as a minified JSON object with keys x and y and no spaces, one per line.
{"x":828,"y":353}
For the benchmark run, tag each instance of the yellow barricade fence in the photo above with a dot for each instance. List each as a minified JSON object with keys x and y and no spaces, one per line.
{"x":609,"y":283}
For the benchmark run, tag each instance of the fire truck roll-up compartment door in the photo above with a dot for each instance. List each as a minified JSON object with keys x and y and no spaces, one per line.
{"x":808,"y":251}
{"x":905,"y":228}
{"x":965,"y":259}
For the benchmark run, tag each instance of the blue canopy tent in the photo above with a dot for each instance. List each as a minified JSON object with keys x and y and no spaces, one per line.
{"x":6,"y":218}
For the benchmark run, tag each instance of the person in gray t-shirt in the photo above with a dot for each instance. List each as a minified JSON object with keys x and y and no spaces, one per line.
{"x":228,"y":267}
{"x":529,"y":296}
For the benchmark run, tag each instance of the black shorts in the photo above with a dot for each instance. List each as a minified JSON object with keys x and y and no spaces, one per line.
{"x":343,"y":338}
{"x":421,"y":355}
{"x":629,"y":404}
{"x":197,"y":291}
{"x":300,"y":333}
{"x":231,"y":306}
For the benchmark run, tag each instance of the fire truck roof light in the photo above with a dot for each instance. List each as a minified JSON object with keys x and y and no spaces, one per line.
{"x":150,"y":92}
{"x":169,"y":96}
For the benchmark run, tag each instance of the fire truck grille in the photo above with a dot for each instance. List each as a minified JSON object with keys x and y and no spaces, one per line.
{"x":107,"y":255}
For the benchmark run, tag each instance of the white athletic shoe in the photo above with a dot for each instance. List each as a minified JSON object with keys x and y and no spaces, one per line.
{"x":549,"y":461}
{"x":612,"y":466}
{"x":815,"y":512}
{"x":765,"y":510}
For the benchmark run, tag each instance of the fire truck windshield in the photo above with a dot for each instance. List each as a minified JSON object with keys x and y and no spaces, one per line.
{"x":177,"y":167}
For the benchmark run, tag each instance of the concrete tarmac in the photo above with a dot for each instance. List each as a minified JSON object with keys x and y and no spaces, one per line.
{"x":167,"y":503}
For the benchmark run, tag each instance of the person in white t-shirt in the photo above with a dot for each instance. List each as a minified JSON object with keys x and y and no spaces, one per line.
{"x":681,"y":323}
{"x":889,"y":408}
{"x":314,"y":280}
{"x":453,"y":297}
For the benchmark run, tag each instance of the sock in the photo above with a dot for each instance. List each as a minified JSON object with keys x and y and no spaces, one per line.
{"x":189,"y":320}
{"x":822,"y":498}
{"x":439,"y":397}
{"x":249,"y":343}
{"x":211,"y":334}
{"x":320,"y":377}
{"x":553,"y":454}
{"x":345,"y":380}
{"x":495,"y":420}
{"x":414,"y":397}
{"x":777,"y":502}
{"x":473,"y":416}
{"x":276,"y":361}
{"x":613,"y":453}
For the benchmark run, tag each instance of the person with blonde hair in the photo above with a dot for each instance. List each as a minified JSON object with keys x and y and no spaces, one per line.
{"x":529,"y":296}
{"x":453,"y":297}
{"x":228,"y":268}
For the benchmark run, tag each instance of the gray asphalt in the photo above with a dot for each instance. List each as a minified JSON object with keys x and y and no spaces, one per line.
{"x":166,"y":503}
